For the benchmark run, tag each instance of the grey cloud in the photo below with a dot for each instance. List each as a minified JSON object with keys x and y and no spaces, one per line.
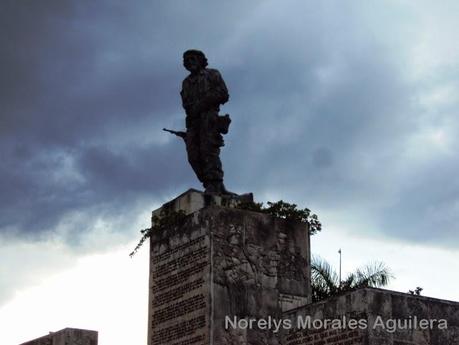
{"x":321,"y":108}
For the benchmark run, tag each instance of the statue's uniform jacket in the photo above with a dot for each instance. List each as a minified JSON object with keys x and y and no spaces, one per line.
{"x":202,"y":94}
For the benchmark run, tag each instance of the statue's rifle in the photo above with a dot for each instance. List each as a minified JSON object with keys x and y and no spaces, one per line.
{"x":180,"y":134}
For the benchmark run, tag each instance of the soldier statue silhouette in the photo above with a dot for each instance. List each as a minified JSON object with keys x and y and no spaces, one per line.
{"x":203,"y":91}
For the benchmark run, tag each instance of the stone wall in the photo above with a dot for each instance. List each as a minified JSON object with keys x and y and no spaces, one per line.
{"x":327,"y":337}
{"x":389,"y":318}
{"x":67,"y":336}
{"x":224,"y":262}
{"x":179,"y":285}
{"x":260,"y":268}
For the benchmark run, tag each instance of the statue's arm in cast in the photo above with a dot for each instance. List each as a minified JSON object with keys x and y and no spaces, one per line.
{"x":218,"y":93}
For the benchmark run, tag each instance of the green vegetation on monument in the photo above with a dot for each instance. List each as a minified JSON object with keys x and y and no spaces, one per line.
{"x":169,"y":219}
{"x":416,"y":292}
{"x":325,"y":282}
{"x":284,"y":210}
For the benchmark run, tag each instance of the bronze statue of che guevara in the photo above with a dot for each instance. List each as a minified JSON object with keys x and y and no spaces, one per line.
{"x":203,"y":91}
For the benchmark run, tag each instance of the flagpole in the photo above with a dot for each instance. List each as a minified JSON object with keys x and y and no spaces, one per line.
{"x":339,"y":251}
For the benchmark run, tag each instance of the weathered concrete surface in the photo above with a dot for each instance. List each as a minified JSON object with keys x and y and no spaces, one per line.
{"x":225,"y":262}
{"x":67,"y":336}
{"x":260,"y":268}
{"x":380,"y":310}
{"x":193,"y":200}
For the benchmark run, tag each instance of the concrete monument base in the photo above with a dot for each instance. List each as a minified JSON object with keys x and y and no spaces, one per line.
{"x":220,"y":269}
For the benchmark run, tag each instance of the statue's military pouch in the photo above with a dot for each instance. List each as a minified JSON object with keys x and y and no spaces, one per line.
{"x":223,"y":123}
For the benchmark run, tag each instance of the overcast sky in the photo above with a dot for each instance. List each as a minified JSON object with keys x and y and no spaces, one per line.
{"x":346,"y":107}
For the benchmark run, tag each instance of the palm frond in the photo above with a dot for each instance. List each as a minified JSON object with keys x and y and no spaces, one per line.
{"x":373,"y":275}
{"x":349,"y":282}
{"x":324,"y":280}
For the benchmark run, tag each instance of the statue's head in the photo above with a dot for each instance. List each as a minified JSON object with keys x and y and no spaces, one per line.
{"x":194,"y":60}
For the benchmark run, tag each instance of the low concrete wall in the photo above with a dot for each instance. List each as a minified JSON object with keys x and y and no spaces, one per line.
{"x":374,"y":317}
{"x":67,"y":336}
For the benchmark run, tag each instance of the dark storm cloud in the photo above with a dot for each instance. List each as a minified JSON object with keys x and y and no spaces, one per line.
{"x":331,"y":117}
{"x":67,"y":90}
{"x":86,"y":89}
{"x":320,"y":103}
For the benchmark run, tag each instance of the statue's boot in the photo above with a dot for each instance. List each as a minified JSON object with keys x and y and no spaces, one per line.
{"x":227,"y":192}
{"x":218,"y":188}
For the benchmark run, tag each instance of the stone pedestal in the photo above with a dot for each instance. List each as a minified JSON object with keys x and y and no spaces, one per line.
{"x":223,"y":266}
{"x":66,"y":336}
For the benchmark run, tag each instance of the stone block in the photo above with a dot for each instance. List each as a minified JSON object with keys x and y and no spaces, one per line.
{"x":222,"y":264}
{"x":67,"y":336}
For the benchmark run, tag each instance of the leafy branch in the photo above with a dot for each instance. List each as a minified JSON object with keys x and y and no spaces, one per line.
{"x":284,"y":210}
{"x":416,"y":292}
{"x":166,"y":219}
